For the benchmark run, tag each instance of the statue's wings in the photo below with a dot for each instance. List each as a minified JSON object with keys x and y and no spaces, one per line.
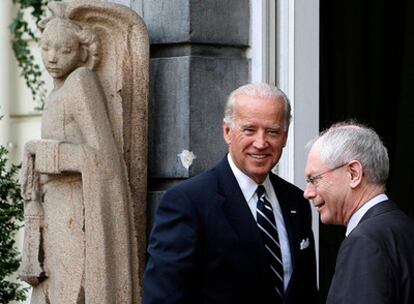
{"x":123,"y":70}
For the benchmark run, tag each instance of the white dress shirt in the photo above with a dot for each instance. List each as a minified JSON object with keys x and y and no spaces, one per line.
{"x":357,"y":216}
{"x":248,"y":188}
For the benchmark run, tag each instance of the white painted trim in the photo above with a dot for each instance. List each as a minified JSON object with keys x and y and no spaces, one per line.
{"x":257,"y":40}
{"x":263,"y":41}
{"x":285,"y":75}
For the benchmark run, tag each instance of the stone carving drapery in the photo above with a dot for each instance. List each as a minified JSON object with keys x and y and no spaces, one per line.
{"x":84,"y":182}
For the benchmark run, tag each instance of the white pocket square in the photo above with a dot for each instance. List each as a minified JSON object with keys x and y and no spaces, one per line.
{"x":304,"y":244}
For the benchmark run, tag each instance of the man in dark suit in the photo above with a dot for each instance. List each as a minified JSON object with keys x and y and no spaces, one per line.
{"x":347,"y":170}
{"x":236,"y":233}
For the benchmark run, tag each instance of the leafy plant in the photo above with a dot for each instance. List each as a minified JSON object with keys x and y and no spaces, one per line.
{"x":21,"y":33}
{"x":11,"y":215}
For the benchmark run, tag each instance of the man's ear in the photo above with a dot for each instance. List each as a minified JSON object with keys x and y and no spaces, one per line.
{"x":285,"y":139}
{"x":226,"y":133}
{"x":356,"y":171}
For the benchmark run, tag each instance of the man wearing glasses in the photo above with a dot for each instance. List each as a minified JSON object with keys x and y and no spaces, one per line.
{"x":346,"y":171}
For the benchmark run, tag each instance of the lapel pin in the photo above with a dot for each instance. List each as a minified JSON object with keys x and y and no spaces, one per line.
{"x":293,"y":211}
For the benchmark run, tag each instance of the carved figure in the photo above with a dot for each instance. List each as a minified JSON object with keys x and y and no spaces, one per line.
{"x":81,"y":242}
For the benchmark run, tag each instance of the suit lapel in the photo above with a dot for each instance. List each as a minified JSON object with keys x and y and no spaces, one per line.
{"x":238,"y":213}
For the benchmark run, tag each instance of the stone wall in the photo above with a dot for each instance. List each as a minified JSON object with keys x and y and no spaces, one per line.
{"x":198,"y":56}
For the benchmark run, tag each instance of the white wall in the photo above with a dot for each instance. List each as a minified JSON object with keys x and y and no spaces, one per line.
{"x":20,"y":122}
{"x":5,"y":88}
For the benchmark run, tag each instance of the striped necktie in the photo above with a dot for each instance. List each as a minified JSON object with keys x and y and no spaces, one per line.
{"x":268,"y":230}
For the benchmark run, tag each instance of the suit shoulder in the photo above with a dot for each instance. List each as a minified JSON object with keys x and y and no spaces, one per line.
{"x":287,"y":187}
{"x":202,"y":183}
{"x":394,"y":223}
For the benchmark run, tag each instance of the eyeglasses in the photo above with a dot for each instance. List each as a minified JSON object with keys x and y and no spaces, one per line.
{"x":313,"y":180}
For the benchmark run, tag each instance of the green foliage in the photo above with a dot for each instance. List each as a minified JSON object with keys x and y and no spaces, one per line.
{"x":21,"y":33}
{"x":11,"y":214}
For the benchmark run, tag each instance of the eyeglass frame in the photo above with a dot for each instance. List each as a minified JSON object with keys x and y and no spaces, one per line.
{"x":313,"y":180}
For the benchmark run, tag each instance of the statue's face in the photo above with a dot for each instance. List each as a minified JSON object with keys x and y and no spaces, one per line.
{"x":61,"y":50}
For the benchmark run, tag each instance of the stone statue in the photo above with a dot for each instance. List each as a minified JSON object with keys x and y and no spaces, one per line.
{"x":84,"y":182}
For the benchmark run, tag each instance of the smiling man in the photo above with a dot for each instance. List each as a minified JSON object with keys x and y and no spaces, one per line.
{"x":346,"y":171}
{"x":236,"y":233}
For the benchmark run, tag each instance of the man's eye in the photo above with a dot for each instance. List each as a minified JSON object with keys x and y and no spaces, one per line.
{"x":274,"y":132}
{"x":310,"y":180}
{"x":248,"y":130}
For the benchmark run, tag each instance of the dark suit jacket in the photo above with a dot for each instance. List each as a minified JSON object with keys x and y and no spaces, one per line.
{"x":375,"y":263}
{"x":205,"y":246}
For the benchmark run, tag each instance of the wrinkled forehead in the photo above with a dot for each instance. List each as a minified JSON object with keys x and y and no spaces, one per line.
{"x":314,"y":162}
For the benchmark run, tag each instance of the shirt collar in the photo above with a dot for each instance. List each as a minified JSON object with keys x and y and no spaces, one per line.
{"x":357,"y":216}
{"x":246,"y":184}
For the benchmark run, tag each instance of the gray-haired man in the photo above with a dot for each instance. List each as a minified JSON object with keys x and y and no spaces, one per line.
{"x":236,"y":233}
{"x":346,"y":172}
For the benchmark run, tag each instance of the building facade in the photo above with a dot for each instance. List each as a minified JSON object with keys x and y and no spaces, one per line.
{"x":200,"y":52}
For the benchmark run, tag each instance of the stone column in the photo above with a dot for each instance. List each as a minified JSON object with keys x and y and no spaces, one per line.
{"x":198,"y":56}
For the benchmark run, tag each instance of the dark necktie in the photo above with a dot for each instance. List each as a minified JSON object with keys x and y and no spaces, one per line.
{"x":267,"y":226}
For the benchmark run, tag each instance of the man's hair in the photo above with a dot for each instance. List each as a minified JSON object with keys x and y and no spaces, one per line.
{"x":261,"y":90}
{"x":347,"y":141}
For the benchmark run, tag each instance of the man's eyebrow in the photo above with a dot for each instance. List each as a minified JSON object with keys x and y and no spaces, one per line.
{"x":275,"y":127}
{"x":247,"y":125}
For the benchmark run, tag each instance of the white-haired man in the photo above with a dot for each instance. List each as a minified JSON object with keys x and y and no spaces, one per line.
{"x":347,"y":170}
{"x":236,"y":233}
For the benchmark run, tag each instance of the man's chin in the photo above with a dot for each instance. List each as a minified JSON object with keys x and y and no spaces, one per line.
{"x":328,"y":220}
{"x":325,"y":218}
{"x":259,"y":175}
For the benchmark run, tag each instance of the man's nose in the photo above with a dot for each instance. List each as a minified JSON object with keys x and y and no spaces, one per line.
{"x":310,"y":191}
{"x":260,"y":141}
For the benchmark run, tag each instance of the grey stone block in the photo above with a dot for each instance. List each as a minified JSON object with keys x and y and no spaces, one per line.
{"x":220,"y":21}
{"x":186,"y":111}
{"x":154,"y":198}
{"x":169,"y":112}
{"x":196,"y":21}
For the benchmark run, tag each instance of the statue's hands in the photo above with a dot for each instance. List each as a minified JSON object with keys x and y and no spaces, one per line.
{"x":40,"y":156}
{"x":28,"y":176}
{"x":30,"y":147}
{"x":47,"y":156}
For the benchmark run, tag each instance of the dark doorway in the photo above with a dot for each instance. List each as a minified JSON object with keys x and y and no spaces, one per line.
{"x":367,"y":73}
